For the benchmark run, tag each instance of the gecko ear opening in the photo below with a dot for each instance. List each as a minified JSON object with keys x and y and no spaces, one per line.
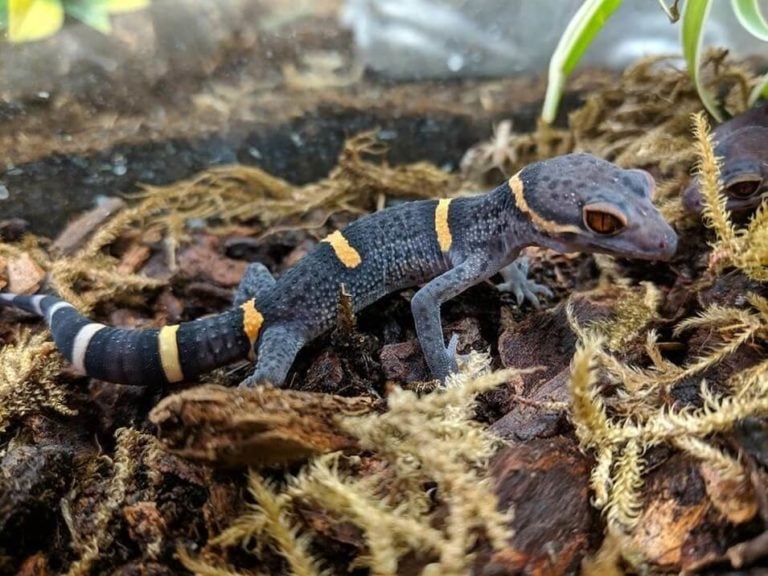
{"x":604,"y":219}
{"x":743,"y":186}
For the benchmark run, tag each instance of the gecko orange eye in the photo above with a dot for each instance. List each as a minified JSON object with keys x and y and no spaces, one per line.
{"x":743,"y":187}
{"x":604,"y":220}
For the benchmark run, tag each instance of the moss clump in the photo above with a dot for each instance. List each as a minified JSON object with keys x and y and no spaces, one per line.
{"x":29,"y":374}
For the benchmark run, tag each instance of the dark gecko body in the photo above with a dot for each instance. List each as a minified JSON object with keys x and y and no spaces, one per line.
{"x":742,"y":144}
{"x":571,"y":203}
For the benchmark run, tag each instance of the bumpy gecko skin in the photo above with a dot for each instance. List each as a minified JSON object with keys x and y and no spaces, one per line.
{"x":572,"y":203}
{"x":742,"y":144}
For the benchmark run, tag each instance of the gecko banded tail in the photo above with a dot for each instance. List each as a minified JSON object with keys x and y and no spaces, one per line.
{"x":148,"y":356}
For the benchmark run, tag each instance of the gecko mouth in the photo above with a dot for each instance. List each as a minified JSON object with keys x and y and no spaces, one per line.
{"x":661,"y":247}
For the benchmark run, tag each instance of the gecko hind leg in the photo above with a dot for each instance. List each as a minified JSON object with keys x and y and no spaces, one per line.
{"x":256,"y":282}
{"x":276,"y":351}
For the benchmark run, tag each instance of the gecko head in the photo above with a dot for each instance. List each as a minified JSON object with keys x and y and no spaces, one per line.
{"x":743,"y":172}
{"x":580,"y":203}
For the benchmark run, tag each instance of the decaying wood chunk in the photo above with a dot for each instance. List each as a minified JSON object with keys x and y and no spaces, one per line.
{"x":546,"y":485}
{"x":133,"y":259}
{"x":674,"y":531}
{"x":24,"y":274}
{"x":533,"y":419}
{"x":76,"y":232}
{"x":202,"y":261}
{"x":734,"y":498}
{"x":237,"y":427}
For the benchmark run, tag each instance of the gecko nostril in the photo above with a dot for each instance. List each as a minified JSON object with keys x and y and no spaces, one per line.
{"x":662,"y":245}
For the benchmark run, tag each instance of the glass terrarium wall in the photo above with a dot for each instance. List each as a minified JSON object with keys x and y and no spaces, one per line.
{"x":98,"y":97}
{"x":461,"y":38}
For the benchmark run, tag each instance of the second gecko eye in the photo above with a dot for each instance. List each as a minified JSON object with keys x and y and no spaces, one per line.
{"x":603,"y":219}
{"x":743,"y":187}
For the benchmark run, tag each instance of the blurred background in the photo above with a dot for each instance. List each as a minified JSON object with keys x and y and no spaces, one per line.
{"x":99,"y":95}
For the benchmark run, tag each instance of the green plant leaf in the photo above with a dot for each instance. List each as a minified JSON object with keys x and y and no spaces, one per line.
{"x":578,"y":35}
{"x":749,"y":16}
{"x":760,"y":90}
{"x":92,"y":13}
{"x":119,"y":6}
{"x":695,"y":13}
{"x":3,"y":18}
{"x":33,"y":19}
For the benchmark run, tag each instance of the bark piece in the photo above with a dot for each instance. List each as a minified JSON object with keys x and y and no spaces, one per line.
{"x":326,"y":373}
{"x":24,"y":274}
{"x":545,"y":338}
{"x":404,"y":362}
{"x":734,"y":499}
{"x":545,"y":483}
{"x":527,"y":421}
{"x":74,"y":235}
{"x":235,"y":427}
{"x":204,"y":261}
{"x":673,"y":531}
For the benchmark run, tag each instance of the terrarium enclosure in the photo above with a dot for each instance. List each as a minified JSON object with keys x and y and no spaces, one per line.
{"x":605,"y":411}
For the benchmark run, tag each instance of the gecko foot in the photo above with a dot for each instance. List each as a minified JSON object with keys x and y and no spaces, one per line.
{"x":254,"y":381}
{"x":516,"y":281}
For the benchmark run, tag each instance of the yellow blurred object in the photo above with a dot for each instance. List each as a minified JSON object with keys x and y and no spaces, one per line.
{"x":119,"y":6}
{"x":33,"y":19}
{"x":37,"y":19}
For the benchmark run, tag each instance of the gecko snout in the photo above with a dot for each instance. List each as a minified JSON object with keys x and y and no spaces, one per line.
{"x":667,"y":245}
{"x":692,"y":201}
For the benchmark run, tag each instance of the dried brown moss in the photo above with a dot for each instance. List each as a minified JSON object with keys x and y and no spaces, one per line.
{"x":643,"y":120}
{"x":29,"y":373}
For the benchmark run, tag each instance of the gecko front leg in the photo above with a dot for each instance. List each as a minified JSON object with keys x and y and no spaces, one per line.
{"x":425,"y":306}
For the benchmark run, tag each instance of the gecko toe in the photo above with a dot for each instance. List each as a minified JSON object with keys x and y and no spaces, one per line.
{"x":517,"y":282}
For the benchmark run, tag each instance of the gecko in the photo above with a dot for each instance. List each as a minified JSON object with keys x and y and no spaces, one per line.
{"x":742,"y":144}
{"x":571,"y":203}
